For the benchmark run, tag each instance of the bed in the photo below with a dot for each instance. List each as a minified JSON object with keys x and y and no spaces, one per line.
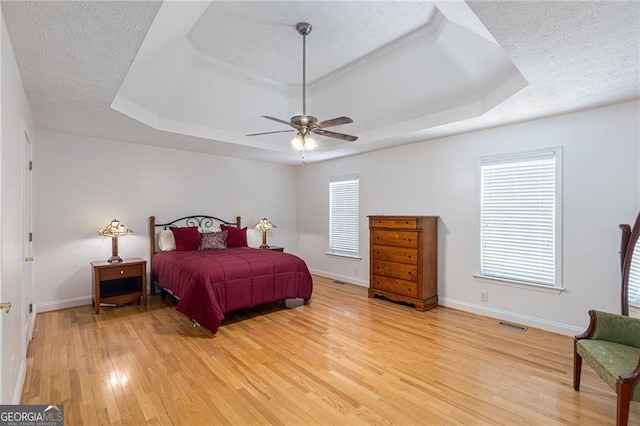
{"x":211,"y":282}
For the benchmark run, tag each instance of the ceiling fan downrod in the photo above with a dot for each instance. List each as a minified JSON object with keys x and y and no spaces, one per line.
{"x":304,"y":28}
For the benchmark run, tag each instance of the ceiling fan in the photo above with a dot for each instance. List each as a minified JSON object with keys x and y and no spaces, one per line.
{"x":305,"y":124}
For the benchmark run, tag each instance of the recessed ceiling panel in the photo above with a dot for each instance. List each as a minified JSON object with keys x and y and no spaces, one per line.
{"x":260,"y":37}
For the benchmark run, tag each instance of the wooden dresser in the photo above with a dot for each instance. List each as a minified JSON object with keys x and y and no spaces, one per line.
{"x":404,"y":259}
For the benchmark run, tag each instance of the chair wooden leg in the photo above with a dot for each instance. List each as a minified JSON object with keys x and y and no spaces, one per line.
{"x":624,"y":399}
{"x":577,"y":368}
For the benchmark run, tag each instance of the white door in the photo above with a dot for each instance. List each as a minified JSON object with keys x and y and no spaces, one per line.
{"x":28,"y":240}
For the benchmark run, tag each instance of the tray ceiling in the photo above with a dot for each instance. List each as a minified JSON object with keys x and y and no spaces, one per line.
{"x":198,"y":75}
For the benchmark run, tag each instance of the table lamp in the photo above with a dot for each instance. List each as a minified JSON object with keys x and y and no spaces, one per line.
{"x":264,"y":225}
{"x":114,"y":229}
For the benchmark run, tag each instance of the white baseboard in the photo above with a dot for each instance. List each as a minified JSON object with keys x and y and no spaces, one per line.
{"x":477,"y":309}
{"x":452,"y":303}
{"x":542,"y":324}
{"x":358,"y":281}
{"x":63,"y":304}
{"x":22,"y":375}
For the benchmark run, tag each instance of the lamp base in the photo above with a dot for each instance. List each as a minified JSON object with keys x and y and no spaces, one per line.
{"x":115,"y":259}
{"x":264,"y":246}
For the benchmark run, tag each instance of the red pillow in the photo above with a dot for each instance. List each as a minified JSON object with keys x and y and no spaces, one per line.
{"x":186,"y":238}
{"x":235,"y":237}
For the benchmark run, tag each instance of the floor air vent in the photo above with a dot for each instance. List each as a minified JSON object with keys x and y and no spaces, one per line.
{"x":338,"y":282}
{"x":514,"y":326}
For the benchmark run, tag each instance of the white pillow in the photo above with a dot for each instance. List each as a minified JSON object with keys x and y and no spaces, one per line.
{"x":205,"y":230}
{"x":166,"y":240}
{"x":254,"y":237}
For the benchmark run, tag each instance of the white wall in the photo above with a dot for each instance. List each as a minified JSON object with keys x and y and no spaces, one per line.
{"x":14,"y":110}
{"x":81,"y":183}
{"x":438,"y":177}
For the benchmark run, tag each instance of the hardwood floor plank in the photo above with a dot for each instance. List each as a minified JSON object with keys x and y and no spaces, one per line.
{"x":343,"y":359}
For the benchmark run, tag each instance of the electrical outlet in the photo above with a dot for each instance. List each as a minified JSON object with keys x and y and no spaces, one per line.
{"x":484,"y":296}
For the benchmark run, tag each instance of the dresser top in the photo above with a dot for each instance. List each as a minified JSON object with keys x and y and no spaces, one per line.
{"x":400,"y":217}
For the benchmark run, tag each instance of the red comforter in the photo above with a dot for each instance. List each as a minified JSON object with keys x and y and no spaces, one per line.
{"x":212,"y":282}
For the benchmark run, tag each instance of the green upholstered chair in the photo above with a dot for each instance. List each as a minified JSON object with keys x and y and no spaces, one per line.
{"x":611,"y":346}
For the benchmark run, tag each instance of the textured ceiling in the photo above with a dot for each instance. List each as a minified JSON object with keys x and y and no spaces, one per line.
{"x":74,"y":56}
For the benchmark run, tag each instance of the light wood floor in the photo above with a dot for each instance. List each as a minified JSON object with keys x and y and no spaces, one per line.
{"x":344,"y":359}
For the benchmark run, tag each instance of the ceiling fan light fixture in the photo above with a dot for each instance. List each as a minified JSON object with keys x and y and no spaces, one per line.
{"x":300,"y":142}
{"x":297,"y":142}
{"x":309,"y":142}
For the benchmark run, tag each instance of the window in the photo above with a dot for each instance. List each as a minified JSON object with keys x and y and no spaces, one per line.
{"x":343,"y":216}
{"x":519,"y":218}
{"x":634,"y":278}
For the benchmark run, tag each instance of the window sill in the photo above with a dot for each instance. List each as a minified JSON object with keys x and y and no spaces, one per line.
{"x":519,"y":284}
{"x":348,"y":256}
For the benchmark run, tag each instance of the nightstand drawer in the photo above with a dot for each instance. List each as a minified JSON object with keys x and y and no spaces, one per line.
{"x":124,"y":271}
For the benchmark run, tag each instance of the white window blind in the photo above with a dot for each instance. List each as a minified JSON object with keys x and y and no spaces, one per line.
{"x":518,"y":229}
{"x":634,"y":278}
{"x":343,"y":216}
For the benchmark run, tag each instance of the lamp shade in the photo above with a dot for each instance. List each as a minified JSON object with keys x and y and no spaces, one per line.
{"x":114,"y":229}
{"x":264,"y":225}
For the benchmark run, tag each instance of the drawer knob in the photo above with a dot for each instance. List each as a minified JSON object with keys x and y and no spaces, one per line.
{"x":406,"y":222}
{"x":408,"y":239}
{"x":121,"y":272}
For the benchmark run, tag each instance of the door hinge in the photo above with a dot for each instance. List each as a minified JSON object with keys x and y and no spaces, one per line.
{"x":30,"y":237}
{"x":30,"y":308}
{"x":6,"y":307}
{"x":28,"y":259}
{"x":30,"y":165}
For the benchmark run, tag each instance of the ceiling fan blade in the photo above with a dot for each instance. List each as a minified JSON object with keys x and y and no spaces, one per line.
{"x":268,"y":133}
{"x":334,"y":122}
{"x":278,"y":120}
{"x":335,"y":135}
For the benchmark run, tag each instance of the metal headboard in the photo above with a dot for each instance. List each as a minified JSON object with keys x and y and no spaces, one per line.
{"x":201,"y":221}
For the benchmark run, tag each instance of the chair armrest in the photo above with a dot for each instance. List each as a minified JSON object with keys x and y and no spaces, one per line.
{"x":612,"y":328}
{"x":632,"y":377}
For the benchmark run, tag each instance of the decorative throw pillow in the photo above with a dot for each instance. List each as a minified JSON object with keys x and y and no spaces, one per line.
{"x":213,"y":241}
{"x":187,"y":238}
{"x":235,"y":237}
{"x":166,"y":240}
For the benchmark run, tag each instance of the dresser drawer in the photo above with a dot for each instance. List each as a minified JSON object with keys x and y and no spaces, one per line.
{"x":395,"y":254}
{"x":396,"y":223}
{"x":394,"y":285}
{"x":125,"y":271}
{"x":396,"y":270}
{"x":395,"y":238}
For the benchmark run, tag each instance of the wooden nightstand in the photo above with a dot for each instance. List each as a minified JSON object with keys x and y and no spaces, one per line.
{"x":274,"y":248}
{"x":117,"y":283}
